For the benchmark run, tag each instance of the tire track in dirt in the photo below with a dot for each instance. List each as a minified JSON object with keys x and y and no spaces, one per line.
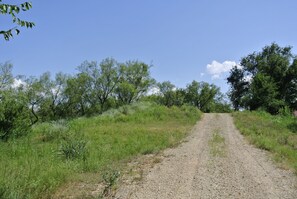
{"x":192,"y":171}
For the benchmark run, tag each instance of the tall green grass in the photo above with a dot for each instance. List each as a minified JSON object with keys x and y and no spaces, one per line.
{"x":59,"y":152}
{"x":277,"y":134}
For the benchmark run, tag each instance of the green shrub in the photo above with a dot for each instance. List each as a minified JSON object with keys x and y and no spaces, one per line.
{"x":285,"y":111}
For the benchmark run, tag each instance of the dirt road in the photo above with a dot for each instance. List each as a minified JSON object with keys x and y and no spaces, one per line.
{"x":214,"y":162}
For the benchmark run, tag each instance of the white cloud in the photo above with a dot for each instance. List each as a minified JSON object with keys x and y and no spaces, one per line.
{"x":248,"y":78}
{"x":202,"y":74}
{"x":216,"y":69}
{"x":18,"y":83}
{"x":154,"y":90}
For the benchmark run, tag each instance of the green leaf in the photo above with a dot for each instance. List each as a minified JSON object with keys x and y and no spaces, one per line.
{"x":26,"y":6}
{"x":17,"y":9}
{"x":3,"y":8}
{"x":17,"y":31}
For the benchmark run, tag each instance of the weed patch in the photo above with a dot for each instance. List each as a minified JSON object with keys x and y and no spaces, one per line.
{"x":110,"y":179}
{"x":217,"y":144}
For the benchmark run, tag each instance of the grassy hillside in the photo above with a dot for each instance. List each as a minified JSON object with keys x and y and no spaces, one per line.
{"x":277,"y":134}
{"x":58,"y":152}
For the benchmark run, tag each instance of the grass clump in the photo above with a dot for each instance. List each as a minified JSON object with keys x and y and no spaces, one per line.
{"x":58,"y":153}
{"x":217,"y":144}
{"x":272,"y":133}
{"x":110,"y":179}
{"x":72,"y":149}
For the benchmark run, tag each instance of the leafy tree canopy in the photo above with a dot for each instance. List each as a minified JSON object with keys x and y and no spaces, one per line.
{"x":265,"y":80}
{"x":202,"y":95}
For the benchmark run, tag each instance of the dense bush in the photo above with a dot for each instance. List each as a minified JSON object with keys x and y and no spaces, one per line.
{"x":14,"y":115}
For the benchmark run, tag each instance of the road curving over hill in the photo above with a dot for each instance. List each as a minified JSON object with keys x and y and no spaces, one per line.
{"x":215,"y":161}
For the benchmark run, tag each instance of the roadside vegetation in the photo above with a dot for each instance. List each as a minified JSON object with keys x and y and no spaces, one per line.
{"x":265,"y":83}
{"x":265,"y":80}
{"x":34,"y":166}
{"x":277,"y":134}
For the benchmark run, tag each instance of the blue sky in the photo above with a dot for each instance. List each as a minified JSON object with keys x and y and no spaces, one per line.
{"x":179,"y":37}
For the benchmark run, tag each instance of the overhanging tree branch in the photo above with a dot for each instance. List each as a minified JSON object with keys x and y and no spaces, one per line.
{"x":13,"y":10}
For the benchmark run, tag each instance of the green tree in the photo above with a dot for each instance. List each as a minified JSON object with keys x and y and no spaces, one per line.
{"x":57,"y":95}
{"x":208,"y":94}
{"x":264,"y":94}
{"x":167,"y":92}
{"x":201,"y":95}
{"x":193,"y":94}
{"x":103,"y":79}
{"x":76,"y":92}
{"x":6,"y":77}
{"x":13,"y":11}
{"x":14,"y":112}
{"x":272,"y":85}
{"x":50,"y":96}
{"x":220,"y":104}
{"x":34,"y":94}
{"x":239,"y":87}
{"x":14,"y":115}
{"x":134,"y":81}
{"x":179,"y":97}
{"x":291,"y":86}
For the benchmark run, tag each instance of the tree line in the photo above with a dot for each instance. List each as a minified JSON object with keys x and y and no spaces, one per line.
{"x":265,"y":80}
{"x":95,"y":88}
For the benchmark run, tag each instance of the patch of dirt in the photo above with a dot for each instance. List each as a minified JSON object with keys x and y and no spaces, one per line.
{"x":191,"y":171}
{"x":89,"y":186}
